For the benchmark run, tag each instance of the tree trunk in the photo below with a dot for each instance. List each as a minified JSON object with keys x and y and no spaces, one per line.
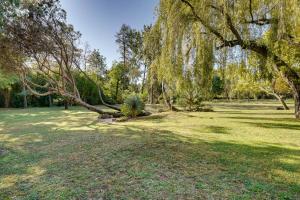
{"x":50,"y":100}
{"x":94,"y":108}
{"x":297,"y":105}
{"x":296,"y":90}
{"x":6,"y":94}
{"x":99,"y":91}
{"x":284,"y":105}
{"x":167,"y":100}
{"x":165,"y":96}
{"x":291,"y":75}
{"x":124,"y":53}
{"x":117,"y":90}
{"x":66,"y":104}
{"x":143,"y":81}
{"x":151,"y":95}
{"x":25,"y":104}
{"x":105,"y":104}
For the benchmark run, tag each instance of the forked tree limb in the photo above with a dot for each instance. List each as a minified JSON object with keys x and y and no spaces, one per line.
{"x":99,"y":90}
{"x":277,"y":96}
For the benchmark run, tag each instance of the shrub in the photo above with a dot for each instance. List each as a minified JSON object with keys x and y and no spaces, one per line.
{"x":144,"y":96}
{"x":190,"y":101}
{"x":133,"y":106}
{"x":204,"y":109}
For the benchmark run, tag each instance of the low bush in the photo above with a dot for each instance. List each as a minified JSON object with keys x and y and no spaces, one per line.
{"x":132,"y":106}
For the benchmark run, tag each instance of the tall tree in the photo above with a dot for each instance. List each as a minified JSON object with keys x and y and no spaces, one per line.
{"x":264,"y":27}
{"x":181,"y":56}
{"x":136,"y":60}
{"x":49,"y":43}
{"x":118,"y":80}
{"x":96,"y":63}
{"x":152,"y":50}
{"x":130,"y":43}
{"x":145,"y":55}
{"x":123,"y":39}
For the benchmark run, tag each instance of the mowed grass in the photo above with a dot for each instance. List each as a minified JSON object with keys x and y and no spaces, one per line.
{"x":240,"y":151}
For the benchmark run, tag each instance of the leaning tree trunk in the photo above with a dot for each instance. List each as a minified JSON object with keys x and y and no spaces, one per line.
{"x":284,"y":105}
{"x":105,"y":104}
{"x":277,"y":96}
{"x":297,"y":105}
{"x":99,"y":91}
{"x":95,"y":109}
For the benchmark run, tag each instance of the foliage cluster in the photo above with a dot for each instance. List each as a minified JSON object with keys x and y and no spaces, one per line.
{"x":132,"y":106}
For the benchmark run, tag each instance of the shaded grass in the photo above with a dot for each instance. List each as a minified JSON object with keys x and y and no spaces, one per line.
{"x":228,"y":154}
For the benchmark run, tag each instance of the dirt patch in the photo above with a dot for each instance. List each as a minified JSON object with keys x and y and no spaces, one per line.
{"x":108,"y":120}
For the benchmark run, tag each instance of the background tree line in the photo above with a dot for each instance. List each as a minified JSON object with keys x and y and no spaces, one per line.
{"x":237,"y":50}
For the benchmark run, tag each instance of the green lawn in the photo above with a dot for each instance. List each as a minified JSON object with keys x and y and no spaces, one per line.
{"x":240,"y":151}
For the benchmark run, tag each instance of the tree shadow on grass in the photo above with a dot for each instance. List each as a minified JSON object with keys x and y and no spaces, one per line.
{"x":154,"y":118}
{"x":247,"y":106}
{"x":100,"y":162}
{"x":218,"y":129}
{"x":214,"y":161}
{"x":255,"y":113}
{"x":263,"y":118}
{"x":274,"y":125}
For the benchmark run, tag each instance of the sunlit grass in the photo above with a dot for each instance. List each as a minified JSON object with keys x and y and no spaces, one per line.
{"x":241,"y":151}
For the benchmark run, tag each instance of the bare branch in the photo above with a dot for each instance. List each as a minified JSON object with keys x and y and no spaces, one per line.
{"x":36,"y":93}
{"x":229,"y":22}
{"x":231,"y":43}
{"x":261,"y":21}
{"x":250,"y":10}
{"x":210,"y":28}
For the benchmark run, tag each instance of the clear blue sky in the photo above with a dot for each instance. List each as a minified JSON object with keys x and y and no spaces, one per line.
{"x":99,"y":20}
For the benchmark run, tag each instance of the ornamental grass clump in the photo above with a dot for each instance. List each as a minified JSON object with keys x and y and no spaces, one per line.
{"x":132,"y":106}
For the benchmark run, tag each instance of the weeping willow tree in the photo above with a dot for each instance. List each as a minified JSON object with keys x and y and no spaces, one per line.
{"x":183,"y":57}
{"x":265,"y":27}
{"x":151,"y":52}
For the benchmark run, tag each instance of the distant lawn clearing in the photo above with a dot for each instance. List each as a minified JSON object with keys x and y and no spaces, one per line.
{"x":240,"y":151}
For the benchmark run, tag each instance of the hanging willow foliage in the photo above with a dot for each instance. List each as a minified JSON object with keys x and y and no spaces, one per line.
{"x":185,"y":60}
{"x":192,"y":31}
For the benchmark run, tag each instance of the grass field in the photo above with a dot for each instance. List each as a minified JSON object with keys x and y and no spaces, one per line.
{"x":240,"y":151}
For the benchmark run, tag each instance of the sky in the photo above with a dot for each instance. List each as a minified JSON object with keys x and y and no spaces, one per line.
{"x":99,"y":20}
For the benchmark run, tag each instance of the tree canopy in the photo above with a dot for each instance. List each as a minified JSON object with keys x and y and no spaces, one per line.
{"x":195,"y":51}
{"x":193,"y":32}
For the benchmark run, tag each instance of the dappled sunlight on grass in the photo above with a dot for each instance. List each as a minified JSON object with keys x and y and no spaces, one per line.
{"x":8,"y":181}
{"x":16,"y":141}
{"x":231,"y":152}
{"x":289,"y":161}
{"x":32,"y":175}
{"x":71,"y":126}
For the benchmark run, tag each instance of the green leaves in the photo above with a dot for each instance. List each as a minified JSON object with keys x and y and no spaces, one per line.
{"x":133,"y":106}
{"x":7,"y":80}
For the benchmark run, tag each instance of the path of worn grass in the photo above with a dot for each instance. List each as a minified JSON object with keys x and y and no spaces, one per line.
{"x":237,"y":152}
